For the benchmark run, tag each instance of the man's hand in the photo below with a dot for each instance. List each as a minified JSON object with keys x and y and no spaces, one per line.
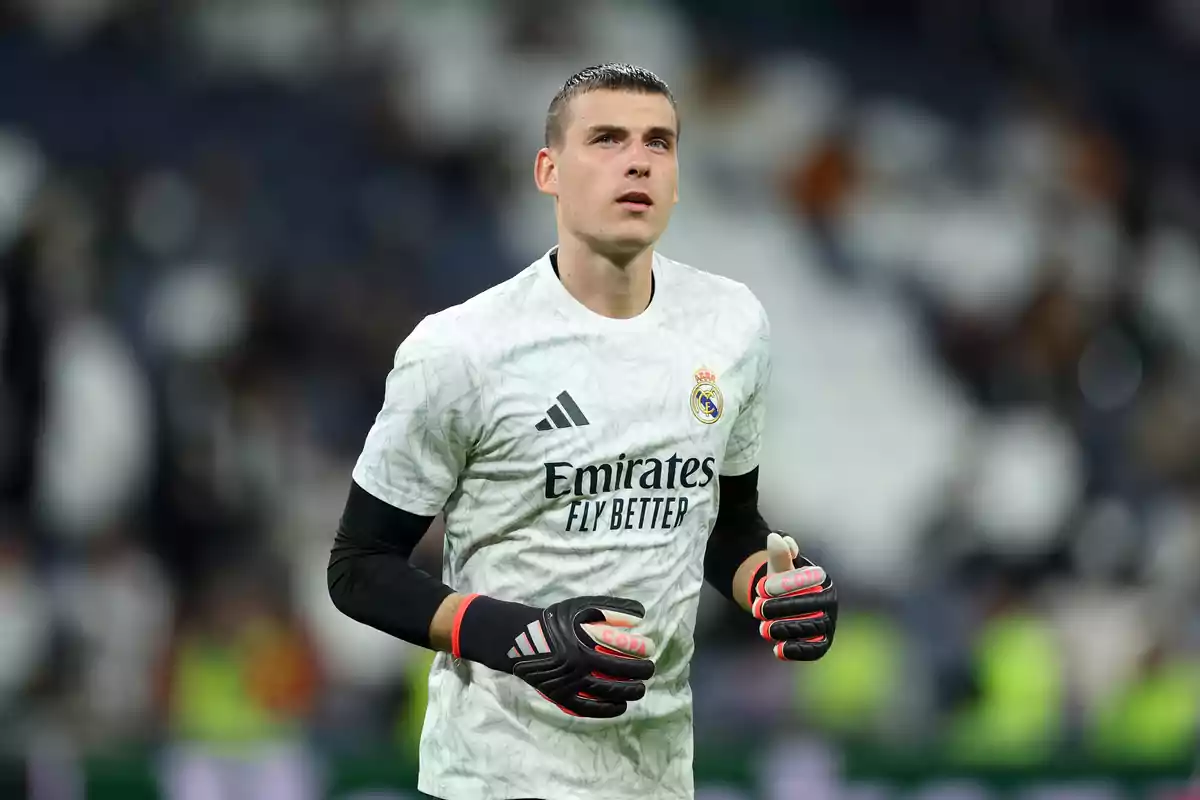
{"x":796,"y":603}
{"x":580,"y":653}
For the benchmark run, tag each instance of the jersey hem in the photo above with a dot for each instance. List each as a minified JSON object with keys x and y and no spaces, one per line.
{"x":470,"y":791}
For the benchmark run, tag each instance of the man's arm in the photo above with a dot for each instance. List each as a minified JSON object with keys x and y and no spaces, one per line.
{"x":371,"y":579}
{"x":410,"y":464}
{"x":735,"y":554}
{"x":572,"y":652}
{"x":735,"y":557}
{"x":793,"y":599}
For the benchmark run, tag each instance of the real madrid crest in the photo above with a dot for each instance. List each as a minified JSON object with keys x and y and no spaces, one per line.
{"x":707,"y":403}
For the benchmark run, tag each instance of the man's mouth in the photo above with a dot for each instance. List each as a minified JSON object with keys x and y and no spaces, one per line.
{"x":638,"y":201}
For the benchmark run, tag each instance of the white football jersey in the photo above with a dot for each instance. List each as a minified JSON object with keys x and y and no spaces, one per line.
{"x":573,"y":454}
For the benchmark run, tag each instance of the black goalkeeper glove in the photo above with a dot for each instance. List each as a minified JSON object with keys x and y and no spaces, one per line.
{"x":796,"y":602}
{"x":578,"y":653}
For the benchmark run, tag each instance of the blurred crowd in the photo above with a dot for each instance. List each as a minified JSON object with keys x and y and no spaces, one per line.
{"x":974,"y":225}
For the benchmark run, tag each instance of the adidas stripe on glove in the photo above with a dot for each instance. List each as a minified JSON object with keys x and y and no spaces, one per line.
{"x":795,"y":601}
{"x":580,"y":654}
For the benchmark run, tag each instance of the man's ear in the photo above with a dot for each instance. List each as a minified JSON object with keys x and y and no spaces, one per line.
{"x":545,"y":172}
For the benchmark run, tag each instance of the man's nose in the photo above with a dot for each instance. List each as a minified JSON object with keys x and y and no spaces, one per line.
{"x":638,"y":169}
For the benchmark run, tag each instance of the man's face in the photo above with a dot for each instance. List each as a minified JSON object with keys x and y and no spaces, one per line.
{"x":615,"y":173}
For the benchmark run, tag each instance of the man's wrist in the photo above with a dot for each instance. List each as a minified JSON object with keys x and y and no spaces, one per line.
{"x":746,"y":577}
{"x":441,"y":628}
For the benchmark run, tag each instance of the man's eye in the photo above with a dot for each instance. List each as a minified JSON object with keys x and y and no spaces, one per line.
{"x":661,"y":144}
{"x":604,"y":138}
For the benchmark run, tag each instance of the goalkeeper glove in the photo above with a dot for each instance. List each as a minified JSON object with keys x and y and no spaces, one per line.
{"x":577,"y":653}
{"x":796,"y":602}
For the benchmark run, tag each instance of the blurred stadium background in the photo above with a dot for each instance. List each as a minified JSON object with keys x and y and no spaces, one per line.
{"x":974,"y":223}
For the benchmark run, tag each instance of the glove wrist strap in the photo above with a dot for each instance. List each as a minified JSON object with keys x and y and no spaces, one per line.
{"x":486,"y":629}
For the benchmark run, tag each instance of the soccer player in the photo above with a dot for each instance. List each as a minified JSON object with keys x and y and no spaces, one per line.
{"x":576,"y":425}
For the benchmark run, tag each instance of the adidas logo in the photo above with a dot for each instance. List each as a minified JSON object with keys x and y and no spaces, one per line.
{"x":555,"y":418}
{"x":530,"y":642}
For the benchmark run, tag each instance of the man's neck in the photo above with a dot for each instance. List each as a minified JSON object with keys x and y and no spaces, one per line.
{"x":611,"y":289}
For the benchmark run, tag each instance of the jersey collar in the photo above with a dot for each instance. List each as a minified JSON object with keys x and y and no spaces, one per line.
{"x":575,"y":310}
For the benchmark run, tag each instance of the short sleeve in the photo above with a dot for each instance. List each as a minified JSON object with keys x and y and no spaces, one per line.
{"x":744,"y":446}
{"x":430,"y":419}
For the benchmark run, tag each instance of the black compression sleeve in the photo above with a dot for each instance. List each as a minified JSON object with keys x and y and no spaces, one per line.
{"x":739,"y":533}
{"x":370,"y":579}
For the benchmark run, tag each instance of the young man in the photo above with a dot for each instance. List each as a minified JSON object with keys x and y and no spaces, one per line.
{"x":576,"y":425}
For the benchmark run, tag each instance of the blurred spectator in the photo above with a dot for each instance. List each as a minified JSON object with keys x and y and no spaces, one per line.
{"x":1018,"y":716}
{"x":24,"y":323}
{"x":25,"y":632}
{"x":240,"y":682}
{"x":116,"y":608}
{"x":1151,"y":718}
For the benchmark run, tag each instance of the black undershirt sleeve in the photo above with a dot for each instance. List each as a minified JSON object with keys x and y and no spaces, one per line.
{"x":370,"y":577}
{"x":740,"y":531}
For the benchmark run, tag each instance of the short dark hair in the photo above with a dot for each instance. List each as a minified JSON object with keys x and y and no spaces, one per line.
{"x":613,"y":76}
